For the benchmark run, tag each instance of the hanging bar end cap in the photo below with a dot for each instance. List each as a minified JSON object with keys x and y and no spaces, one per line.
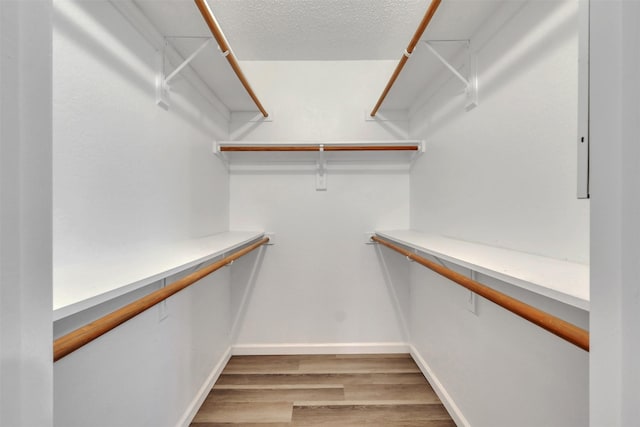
{"x":272,"y":238}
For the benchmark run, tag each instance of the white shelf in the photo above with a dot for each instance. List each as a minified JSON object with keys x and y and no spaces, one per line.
{"x":180,"y":25}
{"x":79,"y":287}
{"x":308,"y":160}
{"x":453,"y":22}
{"x":564,"y":281}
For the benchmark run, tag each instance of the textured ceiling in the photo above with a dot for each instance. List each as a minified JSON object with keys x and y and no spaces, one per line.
{"x":303,"y":29}
{"x":318,"y":29}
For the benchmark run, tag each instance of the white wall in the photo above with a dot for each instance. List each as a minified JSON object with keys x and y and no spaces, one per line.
{"x":319,"y":284}
{"x":128,"y":175}
{"x":25,"y":214}
{"x":615,"y":334}
{"x":499,"y":369}
{"x":149,"y":371}
{"x":504,"y":174}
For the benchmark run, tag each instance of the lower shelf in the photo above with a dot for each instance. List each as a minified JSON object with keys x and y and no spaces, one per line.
{"x":79,"y":287}
{"x":564,"y":281}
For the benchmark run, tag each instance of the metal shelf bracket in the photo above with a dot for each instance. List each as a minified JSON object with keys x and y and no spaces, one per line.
{"x":163,"y":81}
{"x":471,"y":80}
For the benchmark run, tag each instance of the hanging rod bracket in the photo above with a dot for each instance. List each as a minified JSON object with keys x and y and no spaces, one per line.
{"x":471,"y":80}
{"x":163,"y":81}
{"x":272,"y":238}
{"x":220,"y":154}
{"x":419,"y":152}
{"x":321,"y":170}
{"x":472,"y":297}
{"x":369,"y":238}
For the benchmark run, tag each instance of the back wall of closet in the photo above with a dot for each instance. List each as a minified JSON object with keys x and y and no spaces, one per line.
{"x":320,"y":284}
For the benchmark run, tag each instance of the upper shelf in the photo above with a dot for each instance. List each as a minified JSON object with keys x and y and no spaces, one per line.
{"x":564,"y":281}
{"x":361,"y":146}
{"x":449,"y":27}
{"x":184,"y":26}
{"x":325,"y":154}
{"x":79,"y":287}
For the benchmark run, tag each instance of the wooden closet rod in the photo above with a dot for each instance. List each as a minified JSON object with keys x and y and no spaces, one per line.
{"x":206,"y":13}
{"x":85,"y":334}
{"x":317,"y":148}
{"x":565,"y":330}
{"x":412,"y":45}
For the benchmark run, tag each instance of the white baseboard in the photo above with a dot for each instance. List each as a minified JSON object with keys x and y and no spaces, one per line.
{"x":202,"y":394}
{"x":320,"y":348}
{"x":437,"y":386}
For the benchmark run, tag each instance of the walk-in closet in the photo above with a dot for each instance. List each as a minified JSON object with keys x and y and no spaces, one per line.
{"x":319,"y":212}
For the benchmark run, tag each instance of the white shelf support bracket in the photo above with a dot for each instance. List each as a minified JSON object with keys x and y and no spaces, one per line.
{"x":186,"y":62}
{"x":219,"y":154}
{"x":321,"y":173}
{"x":163,"y":310}
{"x":471,"y":80}
{"x":163,"y":87}
{"x":439,"y":261}
{"x":419,"y":152}
{"x":472,"y":298}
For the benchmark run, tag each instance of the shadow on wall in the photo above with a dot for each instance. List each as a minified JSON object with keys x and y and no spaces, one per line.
{"x":208,"y":211}
{"x":239,"y":130}
{"x":395,"y":270}
{"x":395,"y":130}
{"x":243,"y":281}
{"x":521,"y":40}
{"x":101,"y":32}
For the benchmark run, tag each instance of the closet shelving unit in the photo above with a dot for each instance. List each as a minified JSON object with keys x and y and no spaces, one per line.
{"x":319,"y":156}
{"x":560,"y":280}
{"x":443,"y":43}
{"x":440,"y":48}
{"x":77,"y":338}
{"x":191,"y":44}
{"x":78,"y":287}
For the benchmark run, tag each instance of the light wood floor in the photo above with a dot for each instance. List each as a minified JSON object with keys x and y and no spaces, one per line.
{"x":337,"y":390}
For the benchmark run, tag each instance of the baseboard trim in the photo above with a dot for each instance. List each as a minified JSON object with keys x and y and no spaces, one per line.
{"x":319,"y":348}
{"x":202,"y":394}
{"x":437,"y":386}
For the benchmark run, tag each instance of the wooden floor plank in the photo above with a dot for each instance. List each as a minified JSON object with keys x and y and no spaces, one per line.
{"x":273,"y":379}
{"x":244,"y":412}
{"x":270,"y":394}
{"x":372,"y":392}
{"x":322,"y":390}
{"x":251,"y":365}
{"x":241,"y":424}
{"x":359,"y":366}
{"x":354,"y":403}
{"x":275,"y":386}
{"x":389,"y":415}
{"x":375,"y":356}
